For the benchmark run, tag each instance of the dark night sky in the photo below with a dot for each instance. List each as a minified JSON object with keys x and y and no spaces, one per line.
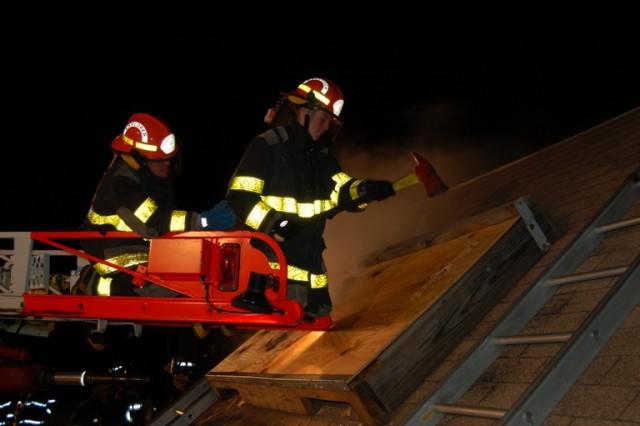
{"x":70,"y":92}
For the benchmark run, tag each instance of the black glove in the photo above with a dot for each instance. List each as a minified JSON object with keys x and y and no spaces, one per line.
{"x":378,"y":190}
{"x":284,"y":229}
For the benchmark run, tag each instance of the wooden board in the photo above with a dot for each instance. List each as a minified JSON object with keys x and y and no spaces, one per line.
{"x":390,"y":324}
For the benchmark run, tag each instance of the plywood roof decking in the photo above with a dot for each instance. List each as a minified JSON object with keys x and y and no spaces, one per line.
{"x":571,"y":180}
{"x":396,"y":318}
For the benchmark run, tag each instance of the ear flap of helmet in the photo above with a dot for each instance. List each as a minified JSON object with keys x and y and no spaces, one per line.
{"x":130,"y":160}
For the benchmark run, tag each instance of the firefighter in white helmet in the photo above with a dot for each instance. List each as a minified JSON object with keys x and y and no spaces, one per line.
{"x":136,"y":194}
{"x":287,"y":178}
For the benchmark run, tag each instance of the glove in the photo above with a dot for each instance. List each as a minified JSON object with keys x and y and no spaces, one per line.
{"x":378,"y":190}
{"x":285,"y":229}
{"x":220,"y":218}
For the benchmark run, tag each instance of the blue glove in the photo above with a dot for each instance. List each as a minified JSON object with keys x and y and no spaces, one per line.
{"x":220,"y":218}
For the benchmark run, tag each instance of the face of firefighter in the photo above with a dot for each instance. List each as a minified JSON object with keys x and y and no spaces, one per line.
{"x":161,"y":169}
{"x":319,"y":122}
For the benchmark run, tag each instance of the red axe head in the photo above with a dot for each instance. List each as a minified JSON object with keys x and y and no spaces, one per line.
{"x":428,"y":176}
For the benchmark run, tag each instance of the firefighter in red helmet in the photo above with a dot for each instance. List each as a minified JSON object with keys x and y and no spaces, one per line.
{"x":287,"y":179}
{"x":136,"y":194}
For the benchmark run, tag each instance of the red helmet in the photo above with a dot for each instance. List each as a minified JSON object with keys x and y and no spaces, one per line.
{"x":150,"y":137}
{"x":319,"y":92}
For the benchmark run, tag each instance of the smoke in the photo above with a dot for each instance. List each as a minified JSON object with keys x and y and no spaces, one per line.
{"x":444,"y":135}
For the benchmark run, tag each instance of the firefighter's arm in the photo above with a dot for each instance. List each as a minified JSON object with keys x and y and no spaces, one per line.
{"x":136,"y":224}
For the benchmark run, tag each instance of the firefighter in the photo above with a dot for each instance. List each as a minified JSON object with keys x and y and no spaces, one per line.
{"x":136,"y":194}
{"x":286,"y":177}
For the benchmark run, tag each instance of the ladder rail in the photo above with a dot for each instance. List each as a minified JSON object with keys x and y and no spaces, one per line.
{"x":485,"y":352}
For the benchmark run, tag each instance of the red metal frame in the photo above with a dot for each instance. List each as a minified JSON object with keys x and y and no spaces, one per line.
{"x":187,"y":263}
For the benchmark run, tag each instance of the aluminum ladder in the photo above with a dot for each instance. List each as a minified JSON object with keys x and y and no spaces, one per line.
{"x":580,"y":347}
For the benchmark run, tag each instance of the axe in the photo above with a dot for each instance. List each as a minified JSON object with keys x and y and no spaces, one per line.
{"x":423,"y":173}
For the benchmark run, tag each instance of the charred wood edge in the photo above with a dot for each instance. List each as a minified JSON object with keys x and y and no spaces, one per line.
{"x":482,"y":220}
{"x":401,"y":368}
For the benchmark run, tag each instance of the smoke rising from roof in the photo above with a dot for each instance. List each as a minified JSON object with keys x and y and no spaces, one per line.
{"x":440,"y":133}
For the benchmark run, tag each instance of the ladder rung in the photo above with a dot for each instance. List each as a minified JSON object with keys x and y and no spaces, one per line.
{"x":586,"y":276}
{"x":490,"y":413}
{"x":621,"y":224}
{"x":532,"y":338}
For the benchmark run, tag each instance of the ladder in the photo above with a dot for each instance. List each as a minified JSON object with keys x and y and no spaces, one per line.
{"x":579,"y":348}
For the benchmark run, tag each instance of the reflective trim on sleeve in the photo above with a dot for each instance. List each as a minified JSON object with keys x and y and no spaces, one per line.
{"x":340,"y":179}
{"x":143,"y":212}
{"x":178,"y":221}
{"x":146,"y":209}
{"x":257,"y":215}
{"x":304,"y":210}
{"x":288,"y":204}
{"x":247,"y":183}
{"x":113,"y":220}
{"x":353,"y":189}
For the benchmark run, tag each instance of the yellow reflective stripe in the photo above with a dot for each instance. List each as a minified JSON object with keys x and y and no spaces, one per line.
{"x":103,"y":287}
{"x":142,"y":146}
{"x":319,"y":281}
{"x":298,"y":274}
{"x":146,"y":209}
{"x":353,"y":189}
{"x":340,"y":179}
{"x":113,"y":220}
{"x":257,"y":215}
{"x":289,"y":204}
{"x":322,"y":98}
{"x":247,"y":183}
{"x":285,"y":205}
{"x":304,"y":210}
{"x":143,"y":212}
{"x":125,"y":260}
{"x":281,"y":204}
{"x":178,"y":221}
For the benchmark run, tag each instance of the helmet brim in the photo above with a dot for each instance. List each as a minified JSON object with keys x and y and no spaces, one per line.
{"x":294,"y":98}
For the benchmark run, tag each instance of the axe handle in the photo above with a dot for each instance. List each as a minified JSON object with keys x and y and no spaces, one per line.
{"x":408,"y":180}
